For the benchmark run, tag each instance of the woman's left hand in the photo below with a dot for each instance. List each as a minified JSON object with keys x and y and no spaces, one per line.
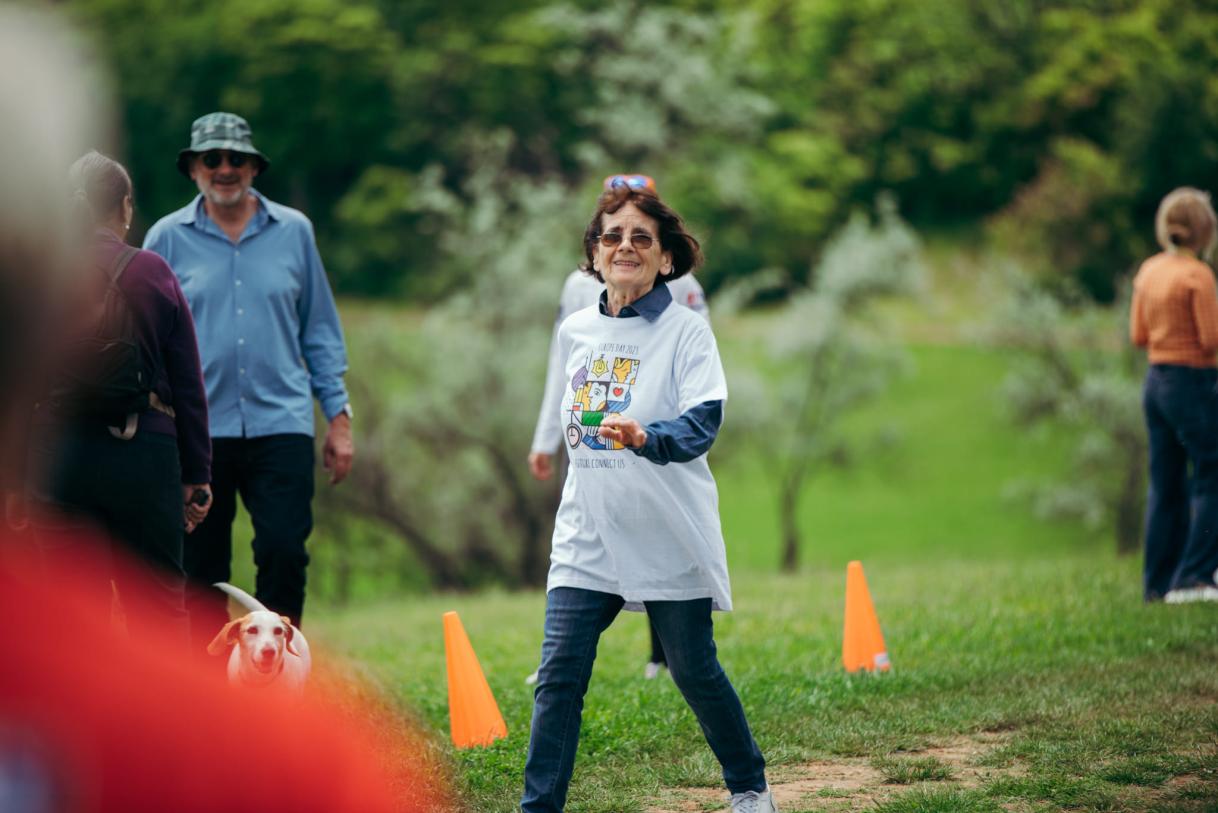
{"x":626,"y":431}
{"x":197,"y":502}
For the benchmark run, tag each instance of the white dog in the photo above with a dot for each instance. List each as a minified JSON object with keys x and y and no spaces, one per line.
{"x":266,"y":649}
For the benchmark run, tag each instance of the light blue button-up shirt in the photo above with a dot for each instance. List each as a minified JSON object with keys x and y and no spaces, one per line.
{"x":269,"y":335}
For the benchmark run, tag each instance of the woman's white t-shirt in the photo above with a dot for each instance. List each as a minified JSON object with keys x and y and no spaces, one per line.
{"x":626,"y":525}
{"x":582,"y":290}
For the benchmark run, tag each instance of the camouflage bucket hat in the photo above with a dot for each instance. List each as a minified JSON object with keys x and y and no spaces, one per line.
{"x":219,"y":131}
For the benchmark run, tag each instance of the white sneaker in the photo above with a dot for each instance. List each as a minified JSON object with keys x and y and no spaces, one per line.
{"x":532,"y":679}
{"x":753,"y":802}
{"x":1188,"y":595}
{"x":652,"y":670}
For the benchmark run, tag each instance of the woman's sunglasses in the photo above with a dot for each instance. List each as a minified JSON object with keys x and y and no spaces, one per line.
{"x":640,"y":240}
{"x":214,"y":158}
{"x":632,"y":181}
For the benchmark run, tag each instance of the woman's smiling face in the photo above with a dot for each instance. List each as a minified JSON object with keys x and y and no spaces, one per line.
{"x":625,"y":266}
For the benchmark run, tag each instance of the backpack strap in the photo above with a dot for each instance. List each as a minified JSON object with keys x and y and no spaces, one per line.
{"x":121,"y":261}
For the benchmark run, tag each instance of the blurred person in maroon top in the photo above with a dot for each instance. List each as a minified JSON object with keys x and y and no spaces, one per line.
{"x":142,"y":483}
{"x":92,"y":721}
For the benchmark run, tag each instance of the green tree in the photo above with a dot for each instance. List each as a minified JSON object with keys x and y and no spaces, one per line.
{"x":449,"y":408}
{"x":827,"y":353}
{"x":1079,"y":373}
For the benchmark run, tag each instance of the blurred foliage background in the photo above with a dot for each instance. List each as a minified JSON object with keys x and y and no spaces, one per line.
{"x":1061,"y":123}
{"x":823,"y":150}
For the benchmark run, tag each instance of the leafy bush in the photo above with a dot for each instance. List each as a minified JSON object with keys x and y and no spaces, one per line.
{"x":1080,"y":372}
{"x":447,"y":410}
{"x":826,"y":354}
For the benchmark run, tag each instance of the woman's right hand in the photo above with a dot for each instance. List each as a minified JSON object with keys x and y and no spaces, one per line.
{"x":541,"y":465}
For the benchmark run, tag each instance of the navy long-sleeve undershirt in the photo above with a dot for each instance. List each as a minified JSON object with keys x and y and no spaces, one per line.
{"x":681,"y":439}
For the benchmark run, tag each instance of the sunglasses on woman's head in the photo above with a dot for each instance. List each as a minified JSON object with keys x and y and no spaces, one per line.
{"x":632,"y":181}
{"x":640,"y":240}
{"x":214,"y":158}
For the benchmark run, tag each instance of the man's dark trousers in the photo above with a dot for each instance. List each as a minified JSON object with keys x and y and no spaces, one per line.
{"x":274,"y":476}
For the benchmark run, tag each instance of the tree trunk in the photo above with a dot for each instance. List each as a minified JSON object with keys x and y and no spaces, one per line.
{"x":1130,"y":506}
{"x":788,"y":505}
{"x":342,"y":563}
{"x":342,"y":580}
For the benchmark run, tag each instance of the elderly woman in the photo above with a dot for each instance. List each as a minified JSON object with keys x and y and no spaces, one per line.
{"x":638,"y":526}
{"x":1175,"y":317}
{"x":582,"y":290}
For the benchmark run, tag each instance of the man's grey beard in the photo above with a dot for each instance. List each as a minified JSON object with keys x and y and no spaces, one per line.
{"x":218,"y":198}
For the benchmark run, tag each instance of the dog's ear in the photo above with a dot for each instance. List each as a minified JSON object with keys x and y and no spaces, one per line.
{"x":225,"y":638}
{"x":289,"y":632}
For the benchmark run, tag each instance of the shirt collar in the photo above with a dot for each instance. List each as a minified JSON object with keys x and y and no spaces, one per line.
{"x":650,"y":305}
{"x":195,"y":213}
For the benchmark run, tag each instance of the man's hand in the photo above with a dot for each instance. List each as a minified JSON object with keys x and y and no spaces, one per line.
{"x":196,"y":500}
{"x":339,"y":449}
{"x":541,"y":465}
{"x":626,"y":431}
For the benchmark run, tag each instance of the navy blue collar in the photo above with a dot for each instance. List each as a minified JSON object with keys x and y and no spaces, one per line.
{"x":650,"y":305}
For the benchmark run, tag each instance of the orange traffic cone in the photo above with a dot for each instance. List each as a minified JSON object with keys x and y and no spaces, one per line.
{"x":862,"y":641}
{"x":472,"y":712}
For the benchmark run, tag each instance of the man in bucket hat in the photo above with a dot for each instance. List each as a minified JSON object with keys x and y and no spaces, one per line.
{"x":270,"y":341}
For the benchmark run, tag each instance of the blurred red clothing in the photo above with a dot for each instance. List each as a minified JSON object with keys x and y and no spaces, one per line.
{"x":93,"y":720}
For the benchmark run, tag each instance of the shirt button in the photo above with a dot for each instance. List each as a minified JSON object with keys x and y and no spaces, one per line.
{"x":236,"y":253}
{"x":238,"y":283}
{"x":242,"y":371}
{"x":240,"y":341}
{"x":240,"y":311}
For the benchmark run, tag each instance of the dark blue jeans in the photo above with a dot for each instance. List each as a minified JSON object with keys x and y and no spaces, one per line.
{"x":274,"y":476}
{"x":1181,"y":409}
{"x":575,"y":620}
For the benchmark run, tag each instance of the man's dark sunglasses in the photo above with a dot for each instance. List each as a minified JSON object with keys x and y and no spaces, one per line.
{"x":213,"y":158}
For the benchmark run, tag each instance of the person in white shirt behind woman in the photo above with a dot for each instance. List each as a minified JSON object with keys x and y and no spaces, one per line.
{"x":582,"y":290}
{"x":638,"y":526}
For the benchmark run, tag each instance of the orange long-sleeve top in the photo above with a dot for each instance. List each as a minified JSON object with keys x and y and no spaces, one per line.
{"x":1175,"y":311}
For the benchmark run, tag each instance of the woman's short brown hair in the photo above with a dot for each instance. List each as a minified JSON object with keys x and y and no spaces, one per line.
{"x":686,"y":253}
{"x":1186,"y":220}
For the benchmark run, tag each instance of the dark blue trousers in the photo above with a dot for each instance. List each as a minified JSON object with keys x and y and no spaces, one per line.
{"x":575,"y":620}
{"x":1181,"y":408}
{"x":274,"y":477}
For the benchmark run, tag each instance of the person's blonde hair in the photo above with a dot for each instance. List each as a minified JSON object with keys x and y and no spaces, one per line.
{"x":1186,"y":220}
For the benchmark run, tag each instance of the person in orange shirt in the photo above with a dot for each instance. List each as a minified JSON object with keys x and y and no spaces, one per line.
{"x":1174,"y":315}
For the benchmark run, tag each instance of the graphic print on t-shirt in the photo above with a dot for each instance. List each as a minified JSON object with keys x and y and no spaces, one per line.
{"x":602,"y":388}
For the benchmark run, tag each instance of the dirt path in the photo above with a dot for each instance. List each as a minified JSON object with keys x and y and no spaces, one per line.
{"x":847,"y":784}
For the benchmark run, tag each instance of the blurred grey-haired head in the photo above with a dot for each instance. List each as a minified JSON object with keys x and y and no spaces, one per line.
{"x":51,"y":110}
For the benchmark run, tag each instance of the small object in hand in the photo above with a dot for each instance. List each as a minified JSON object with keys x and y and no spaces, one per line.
{"x":200,"y":498}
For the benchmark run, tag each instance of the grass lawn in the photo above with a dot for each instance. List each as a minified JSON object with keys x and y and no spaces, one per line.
{"x":1041,"y":685}
{"x":1027,"y":673}
{"x":935,"y":488}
